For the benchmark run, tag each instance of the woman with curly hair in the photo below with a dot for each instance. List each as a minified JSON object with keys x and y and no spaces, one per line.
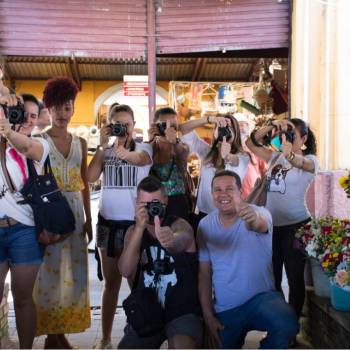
{"x":61,"y":290}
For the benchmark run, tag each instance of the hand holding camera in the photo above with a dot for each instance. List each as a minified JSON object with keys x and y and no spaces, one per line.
{"x":153,"y":131}
{"x":286,"y":146}
{"x":5,"y":126}
{"x":170,"y":133}
{"x":141,"y":217}
{"x":223,"y":128}
{"x":281,"y":128}
{"x":105,"y":133}
{"x":164,"y":234}
{"x":13,"y":109}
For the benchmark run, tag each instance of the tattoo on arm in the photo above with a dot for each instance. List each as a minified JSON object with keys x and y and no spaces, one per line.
{"x":183,"y":233}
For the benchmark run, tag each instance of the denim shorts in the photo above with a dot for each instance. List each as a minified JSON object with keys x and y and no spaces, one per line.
{"x":19,"y":245}
{"x":106,"y":228}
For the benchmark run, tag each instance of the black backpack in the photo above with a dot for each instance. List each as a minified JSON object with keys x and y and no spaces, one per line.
{"x":51,"y":210}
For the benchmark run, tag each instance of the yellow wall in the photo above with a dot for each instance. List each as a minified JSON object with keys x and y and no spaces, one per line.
{"x":84,"y":104}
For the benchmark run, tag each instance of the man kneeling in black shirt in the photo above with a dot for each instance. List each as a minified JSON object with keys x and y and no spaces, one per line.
{"x":160,"y":257}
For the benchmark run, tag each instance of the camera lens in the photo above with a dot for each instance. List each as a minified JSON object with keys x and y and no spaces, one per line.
{"x":118,"y":129}
{"x":16,"y":114}
{"x":156,"y":208}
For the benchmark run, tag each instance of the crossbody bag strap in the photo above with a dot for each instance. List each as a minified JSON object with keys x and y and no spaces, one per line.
{"x":7,"y":177}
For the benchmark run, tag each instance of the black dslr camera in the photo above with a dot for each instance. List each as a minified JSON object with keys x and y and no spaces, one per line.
{"x":224,"y":132}
{"x":119,"y":129}
{"x":156,"y":208}
{"x":161,"y":128}
{"x":15,"y":114}
{"x":290,"y":136}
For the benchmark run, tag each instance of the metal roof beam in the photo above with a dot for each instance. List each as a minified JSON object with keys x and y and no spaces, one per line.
{"x":199,"y":68}
{"x":73,"y":70}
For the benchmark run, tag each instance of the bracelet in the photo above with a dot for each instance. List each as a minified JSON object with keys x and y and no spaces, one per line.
{"x":255,"y":142}
{"x":291,"y":156}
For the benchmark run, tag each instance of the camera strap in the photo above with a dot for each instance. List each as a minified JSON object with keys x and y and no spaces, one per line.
{"x":7,"y":177}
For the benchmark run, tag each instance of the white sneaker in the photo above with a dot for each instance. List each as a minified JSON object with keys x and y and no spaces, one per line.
{"x":102,"y":345}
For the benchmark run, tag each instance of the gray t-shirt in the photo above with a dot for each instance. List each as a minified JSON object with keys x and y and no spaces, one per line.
{"x":241,"y":260}
{"x":286,"y":192}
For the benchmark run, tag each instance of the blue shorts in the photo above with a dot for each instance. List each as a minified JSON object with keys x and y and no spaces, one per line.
{"x":19,"y":245}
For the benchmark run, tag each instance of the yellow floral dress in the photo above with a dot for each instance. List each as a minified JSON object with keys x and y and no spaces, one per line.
{"x":61,"y":291}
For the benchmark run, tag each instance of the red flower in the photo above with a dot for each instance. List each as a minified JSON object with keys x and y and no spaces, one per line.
{"x":326,"y":230}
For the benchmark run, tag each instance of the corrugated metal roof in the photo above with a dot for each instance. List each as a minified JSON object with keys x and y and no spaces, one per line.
{"x":85,"y":28}
{"x":118,"y":28}
{"x":212,"y":25}
{"x":214,"y":69}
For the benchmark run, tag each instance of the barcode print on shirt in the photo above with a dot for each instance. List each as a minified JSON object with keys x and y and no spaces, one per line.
{"x":123,"y":175}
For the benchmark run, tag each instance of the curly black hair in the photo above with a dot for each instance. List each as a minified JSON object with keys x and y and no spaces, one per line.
{"x":59,"y":90}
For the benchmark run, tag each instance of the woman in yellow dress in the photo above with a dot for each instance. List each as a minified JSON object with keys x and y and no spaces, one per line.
{"x":61,"y":291}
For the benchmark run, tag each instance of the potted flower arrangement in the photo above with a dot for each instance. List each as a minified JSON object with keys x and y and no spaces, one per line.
{"x":327,"y":241}
{"x":340,"y":287}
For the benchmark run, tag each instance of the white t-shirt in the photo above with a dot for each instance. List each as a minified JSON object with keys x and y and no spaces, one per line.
{"x":16,"y":165}
{"x":119,"y":184}
{"x":286,"y":191}
{"x":197,"y":145}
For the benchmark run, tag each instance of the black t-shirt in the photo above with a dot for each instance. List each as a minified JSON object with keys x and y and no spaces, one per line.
{"x":174,"y":278}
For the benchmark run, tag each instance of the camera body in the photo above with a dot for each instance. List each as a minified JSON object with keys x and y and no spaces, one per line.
{"x":118,"y":129}
{"x":156,"y":208}
{"x":290,"y":137}
{"x":161,"y":128}
{"x":15,"y":114}
{"x":224,"y":132}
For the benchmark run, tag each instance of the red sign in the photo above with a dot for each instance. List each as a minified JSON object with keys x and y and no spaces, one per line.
{"x":135,"y":85}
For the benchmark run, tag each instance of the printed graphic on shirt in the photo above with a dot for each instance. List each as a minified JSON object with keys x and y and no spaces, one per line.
{"x":160,"y":282}
{"x":276,"y":182}
{"x":3,"y":191}
{"x":118,"y":173}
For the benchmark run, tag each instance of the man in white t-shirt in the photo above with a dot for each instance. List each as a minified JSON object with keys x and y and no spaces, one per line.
{"x":20,"y":251}
{"x":235,"y":259}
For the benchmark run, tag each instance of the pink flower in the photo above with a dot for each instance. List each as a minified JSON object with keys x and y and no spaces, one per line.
{"x":341,"y":277}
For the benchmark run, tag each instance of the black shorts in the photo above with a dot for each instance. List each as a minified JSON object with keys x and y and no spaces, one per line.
{"x":189,"y":324}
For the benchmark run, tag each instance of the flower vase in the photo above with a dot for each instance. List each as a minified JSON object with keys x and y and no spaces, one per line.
{"x":320,"y":279}
{"x":340,"y":298}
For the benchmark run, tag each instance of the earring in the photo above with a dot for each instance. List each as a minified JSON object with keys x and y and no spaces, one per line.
{"x":303,"y":147}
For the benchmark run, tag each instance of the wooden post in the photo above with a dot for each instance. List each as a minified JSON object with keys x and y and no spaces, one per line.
{"x":151,"y":58}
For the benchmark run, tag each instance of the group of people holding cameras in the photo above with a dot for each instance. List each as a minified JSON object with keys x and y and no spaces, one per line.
{"x":203,"y":268}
